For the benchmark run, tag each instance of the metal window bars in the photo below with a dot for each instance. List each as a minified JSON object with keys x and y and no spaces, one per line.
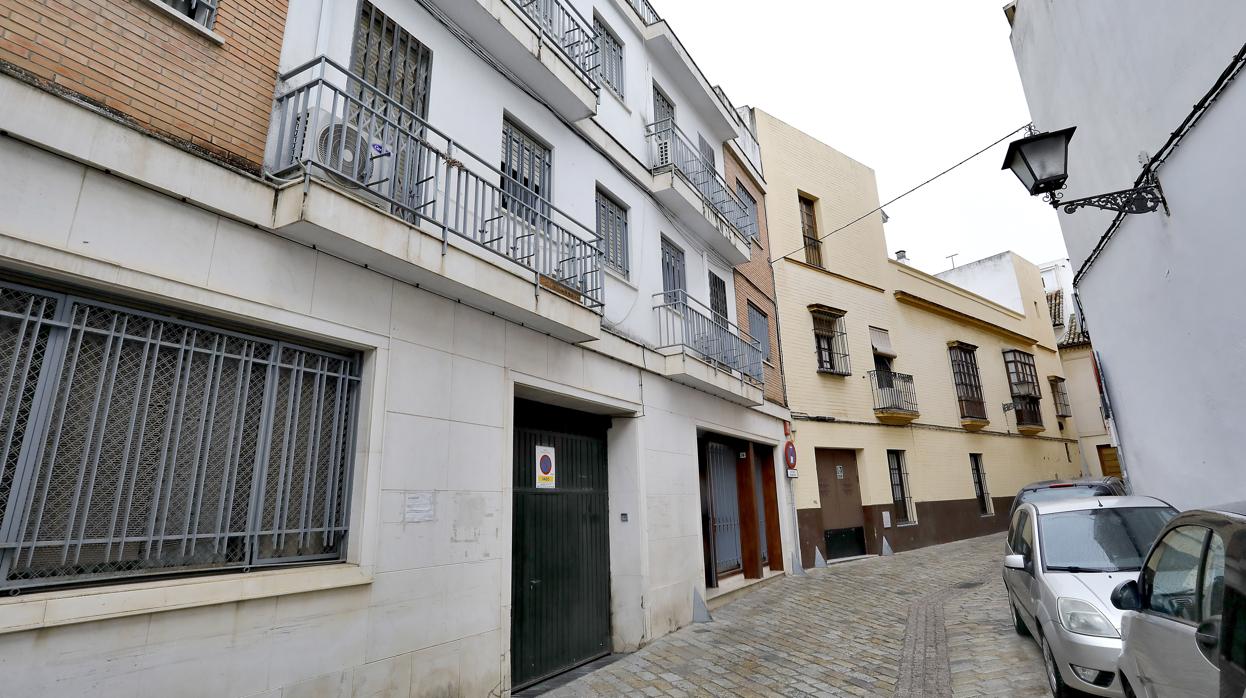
{"x":968,"y":382}
{"x":337,"y":126}
{"x":893,"y":391}
{"x":671,"y":149}
{"x":201,"y":12}
{"x":831,"y":344}
{"x":567,"y":29}
{"x":612,"y":227}
{"x":1060,"y":395}
{"x":685,"y":322}
{"x":136,"y":444}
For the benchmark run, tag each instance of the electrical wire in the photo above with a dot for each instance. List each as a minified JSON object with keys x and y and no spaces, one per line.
{"x":867,"y":214}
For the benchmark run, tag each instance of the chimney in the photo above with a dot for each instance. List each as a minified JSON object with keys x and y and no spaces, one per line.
{"x":902,"y":257}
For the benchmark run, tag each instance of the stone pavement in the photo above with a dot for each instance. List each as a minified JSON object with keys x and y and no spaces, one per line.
{"x":932,"y":622}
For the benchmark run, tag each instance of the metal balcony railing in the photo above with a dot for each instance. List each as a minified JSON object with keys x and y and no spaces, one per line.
{"x":336,"y":126}
{"x":647,"y":14}
{"x":893,"y":392}
{"x":685,"y":322}
{"x":567,"y":29}
{"x":671,"y":149}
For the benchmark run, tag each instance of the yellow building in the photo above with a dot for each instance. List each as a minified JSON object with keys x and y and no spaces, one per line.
{"x":919,"y":407}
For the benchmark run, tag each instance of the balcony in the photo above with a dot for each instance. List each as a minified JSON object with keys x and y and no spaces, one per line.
{"x":895,"y":398}
{"x":973,"y":413}
{"x":376,"y":184}
{"x":1029,"y":415}
{"x":690,"y":186}
{"x":707,"y":352}
{"x":514,"y":31}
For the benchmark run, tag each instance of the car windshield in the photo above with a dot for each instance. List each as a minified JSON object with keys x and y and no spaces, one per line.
{"x":1100,"y":540}
{"x":1050,"y":494}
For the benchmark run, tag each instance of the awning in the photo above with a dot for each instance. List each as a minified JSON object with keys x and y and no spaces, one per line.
{"x":882,"y":342}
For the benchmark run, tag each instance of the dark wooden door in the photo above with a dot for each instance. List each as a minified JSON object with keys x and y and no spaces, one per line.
{"x":839,"y":489}
{"x":560,"y":587}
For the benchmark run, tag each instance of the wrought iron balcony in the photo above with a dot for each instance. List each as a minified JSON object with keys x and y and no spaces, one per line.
{"x":338,"y":128}
{"x":567,"y":29}
{"x":685,"y":323}
{"x":672,"y":151}
{"x":895,"y":398}
{"x":646,"y":12}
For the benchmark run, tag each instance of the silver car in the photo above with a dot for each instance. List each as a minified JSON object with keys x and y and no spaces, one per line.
{"x":1064,"y":558}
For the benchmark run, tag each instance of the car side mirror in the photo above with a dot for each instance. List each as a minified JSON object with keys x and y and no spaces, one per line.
{"x":1126,"y":596}
{"x":1014,"y":562}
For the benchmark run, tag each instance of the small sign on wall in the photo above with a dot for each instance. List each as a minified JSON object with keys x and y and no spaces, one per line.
{"x":886,"y":519}
{"x":839,"y":472}
{"x":546,"y":468}
{"x":419,"y":507}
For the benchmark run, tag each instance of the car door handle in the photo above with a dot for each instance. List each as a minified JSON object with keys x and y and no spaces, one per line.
{"x":1208,"y":635}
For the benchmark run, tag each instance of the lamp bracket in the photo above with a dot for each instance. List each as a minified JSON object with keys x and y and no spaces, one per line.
{"x":1144,"y":199}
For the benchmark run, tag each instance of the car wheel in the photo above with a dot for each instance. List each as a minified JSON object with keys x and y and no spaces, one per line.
{"x":1054,"y":681}
{"x":1017,"y":623}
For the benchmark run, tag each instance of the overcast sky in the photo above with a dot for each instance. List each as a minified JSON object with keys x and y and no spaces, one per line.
{"x":908,"y":87}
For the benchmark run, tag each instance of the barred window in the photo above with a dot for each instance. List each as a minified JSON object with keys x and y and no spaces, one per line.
{"x":527,"y":173}
{"x":612,"y":227}
{"x":1023,"y":382}
{"x":751,"y":224}
{"x":610,"y":69}
{"x":809,"y":230}
{"x":901,"y":498}
{"x":1060,"y":395}
{"x":202,"y":12}
{"x":968,"y":380}
{"x":980,"y":491}
{"x":759,"y":330}
{"x":831,"y":341}
{"x":136,"y":444}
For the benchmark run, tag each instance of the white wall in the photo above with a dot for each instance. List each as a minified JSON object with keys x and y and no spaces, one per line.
{"x":994,"y":277}
{"x":1163,"y":301}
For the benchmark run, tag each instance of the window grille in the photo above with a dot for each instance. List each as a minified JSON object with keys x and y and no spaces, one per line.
{"x":759,"y":330}
{"x":526,"y":170}
{"x":901,"y":498}
{"x":980,"y":491}
{"x":752,"y":225}
{"x":809,"y":230}
{"x":968,"y":380}
{"x":831,"y":342}
{"x":673,"y":273}
{"x":610,"y":69}
{"x":202,"y":12}
{"x":1023,"y":381}
{"x":136,"y":444}
{"x":395,"y":63}
{"x":612,"y":227}
{"x":1060,"y":395}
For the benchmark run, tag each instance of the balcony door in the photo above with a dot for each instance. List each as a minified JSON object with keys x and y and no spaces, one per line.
{"x":673,"y":275}
{"x":663,"y":125}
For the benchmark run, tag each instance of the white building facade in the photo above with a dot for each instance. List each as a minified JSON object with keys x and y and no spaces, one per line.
{"x":432,"y":404}
{"x":1160,"y":291}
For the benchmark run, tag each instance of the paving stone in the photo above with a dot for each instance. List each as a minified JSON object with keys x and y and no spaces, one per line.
{"x":931,"y":622}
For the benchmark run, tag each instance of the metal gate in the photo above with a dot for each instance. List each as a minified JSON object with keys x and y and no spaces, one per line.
{"x":725,"y":506}
{"x":560,"y":588}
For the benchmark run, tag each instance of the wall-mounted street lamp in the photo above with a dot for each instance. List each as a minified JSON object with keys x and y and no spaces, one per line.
{"x":1041,"y":162}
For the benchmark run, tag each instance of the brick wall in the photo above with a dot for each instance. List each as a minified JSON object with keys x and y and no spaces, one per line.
{"x":135,"y":60}
{"x":754,"y":280}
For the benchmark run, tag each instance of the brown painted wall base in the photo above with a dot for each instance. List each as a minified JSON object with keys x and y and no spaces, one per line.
{"x":937,"y":522}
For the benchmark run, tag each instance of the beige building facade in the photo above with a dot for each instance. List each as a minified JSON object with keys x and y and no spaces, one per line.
{"x":919,"y":407}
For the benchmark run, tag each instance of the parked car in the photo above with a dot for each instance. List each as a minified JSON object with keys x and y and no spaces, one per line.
{"x":1048,"y":490}
{"x":1064,"y":560}
{"x":1184,"y":619}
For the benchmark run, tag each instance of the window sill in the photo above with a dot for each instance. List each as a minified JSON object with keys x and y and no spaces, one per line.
{"x":619,"y":276}
{"x":189,"y":23}
{"x":53,"y":608}
{"x":826,"y":372}
{"x":906,"y":524}
{"x":617,"y":97}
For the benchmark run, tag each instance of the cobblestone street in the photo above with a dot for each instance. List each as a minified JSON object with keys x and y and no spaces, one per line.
{"x":932,"y":622}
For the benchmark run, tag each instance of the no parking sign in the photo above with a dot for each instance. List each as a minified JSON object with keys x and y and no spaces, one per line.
{"x":546,"y":468}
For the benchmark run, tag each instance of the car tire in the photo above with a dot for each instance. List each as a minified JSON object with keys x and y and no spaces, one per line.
{"x":1017,"y":623}
{"x":1052,"y":671}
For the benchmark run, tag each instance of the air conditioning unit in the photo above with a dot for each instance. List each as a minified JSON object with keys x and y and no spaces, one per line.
{"x":351,"y":156}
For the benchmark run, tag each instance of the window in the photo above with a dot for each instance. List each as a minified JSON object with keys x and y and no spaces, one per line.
{"x":1171,"y":574}
{"x":1017,"y":535}
{"x":752,"y":225}
{"x":611,"y":68}
{"x":674,"y":283}
{"x":198,"y":11}
{"x":718,"y":298}
{"x":707,"y":154}
{"x":901,"y":501}
{"x":612,"y":227}
{"x":967,"y":379}
{"x":526,"y":172}
{"x":663,"y":109}
{"x":1060,"y":395}
{"x":1023,"y":381}
{"x":1211,"y":595}
{"x":1111,"y":539}
{"x":388,"y":58}
{"x":830,"y":341}
{"x":759,"y":330}
{"x":138,"y":444}
{"x":979,"y":485}
{"x":809,"y":230}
